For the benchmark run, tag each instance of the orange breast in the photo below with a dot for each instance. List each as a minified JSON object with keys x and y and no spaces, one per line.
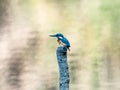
{"x":59,"y":42}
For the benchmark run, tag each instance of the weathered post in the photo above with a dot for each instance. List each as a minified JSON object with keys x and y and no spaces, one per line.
{"x":63,"y":68}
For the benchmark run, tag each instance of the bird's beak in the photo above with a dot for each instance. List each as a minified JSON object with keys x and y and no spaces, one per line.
{"x":52,"y":35}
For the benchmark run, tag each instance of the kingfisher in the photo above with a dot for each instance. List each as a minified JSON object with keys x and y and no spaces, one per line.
{"x":62,"y":40}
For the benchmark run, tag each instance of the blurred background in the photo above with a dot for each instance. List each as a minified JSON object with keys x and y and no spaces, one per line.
{"x":28,"y":55}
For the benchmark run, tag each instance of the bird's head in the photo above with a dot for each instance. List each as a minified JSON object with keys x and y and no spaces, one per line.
{"x":58,"y":35}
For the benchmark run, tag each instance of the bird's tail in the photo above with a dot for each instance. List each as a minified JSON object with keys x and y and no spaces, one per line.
{"x":68,"y":49}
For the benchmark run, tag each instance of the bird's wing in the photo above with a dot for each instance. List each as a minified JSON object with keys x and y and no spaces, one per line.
{"x":65,"y":41}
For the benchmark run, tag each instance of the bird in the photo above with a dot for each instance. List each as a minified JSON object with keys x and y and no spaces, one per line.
{"x":62,"y":40}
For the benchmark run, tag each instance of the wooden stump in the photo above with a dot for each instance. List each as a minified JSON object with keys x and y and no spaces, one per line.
{"x":63,"y":68}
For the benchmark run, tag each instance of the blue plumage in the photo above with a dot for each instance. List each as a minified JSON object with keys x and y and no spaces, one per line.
{"x":63,"y":39}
